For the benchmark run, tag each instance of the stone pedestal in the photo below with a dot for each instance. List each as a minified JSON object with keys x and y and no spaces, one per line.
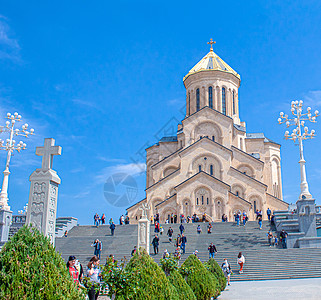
{"x":143,"y":234}
{"x":42,"y":205}
{"x":307,"y":217}
{"x":5,"y":223}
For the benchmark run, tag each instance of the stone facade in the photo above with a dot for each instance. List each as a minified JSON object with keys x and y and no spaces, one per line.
{"x":213,"y":165}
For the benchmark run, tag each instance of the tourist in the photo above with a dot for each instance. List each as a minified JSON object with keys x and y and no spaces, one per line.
{"x":257,"y":214}
{"x":151,"y":219}
{"x":237,"y":218}
{"x":155,"y":243}
{"x":270,"y":238}
{"x":111,"y":221}
{"x":196,"y":253}
{"x":93,"y":272}
{"x":66,"y":233}
{"x":103,"y":219}
{"x":175,"y":219}
{"x":268,"y":212}
{"x":98,"y":245}
{"x":260,"y":221}
{"x":127,"y":220}
{"x":157,"y":218}
{"x":80,"y":270}
{"x":244,"y":216}
{"x":96,"y":220}
{"x":241,"y":261}
{"x":121,"y":220}
{"x":156,"y":226}
{"x":183,"y":242}
{"x":276,"y":242}
{"x":181,"y":228}
{"x":224,"y":218}
{"x":170,"y":234}
{"x":212,"y":250}
{"x":111,"y":258}
{"x":172,"y":218}
{"x":209,"y":228}
{"x":199,"y":229}
{"x":112,"y":228}
{"x":283,"y":236}
{"x":178,"y":240}
{"x":204,"y":218}
{"x":226,"y":270}
{"x":134,"y":251}
{"x":165,"y":254}
{"x":273,"y":220}
{"x":73,"y":271}
{"x":161,"y":230}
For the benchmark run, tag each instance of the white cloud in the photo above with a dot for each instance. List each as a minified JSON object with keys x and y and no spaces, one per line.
{"x":174,"y":102}
{"x":115,"y":160}
{"x":129,"y":169}
{"x":313,"y":98}
{"x":9,"y":46}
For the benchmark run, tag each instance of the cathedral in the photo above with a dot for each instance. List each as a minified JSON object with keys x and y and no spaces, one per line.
{"x":212,"y":165}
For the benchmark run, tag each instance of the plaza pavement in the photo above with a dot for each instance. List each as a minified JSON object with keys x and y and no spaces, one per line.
{"x":284,"y":289}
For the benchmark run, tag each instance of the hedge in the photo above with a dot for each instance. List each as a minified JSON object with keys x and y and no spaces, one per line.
{"x":203,"y":283}
{"x":30,"y":268}
{"x":152,"y":281}
{"x":216,"y":270}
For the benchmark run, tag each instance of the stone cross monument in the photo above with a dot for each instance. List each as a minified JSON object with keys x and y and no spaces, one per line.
{"x":143,"y":229}
{"x":42,"y":205}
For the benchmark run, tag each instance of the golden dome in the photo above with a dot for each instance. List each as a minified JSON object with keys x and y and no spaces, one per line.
{"x":211,"y":61}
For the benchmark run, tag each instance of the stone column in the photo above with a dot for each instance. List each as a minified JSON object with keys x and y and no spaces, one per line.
{"x":307,"y":216}
{"x":5,"y":223}
{"x":43,"y":196}
{"x":143,"y":233}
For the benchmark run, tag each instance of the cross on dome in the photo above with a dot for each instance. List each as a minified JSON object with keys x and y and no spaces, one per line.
{"x":211,"y":42}
{"x":47,"y":152}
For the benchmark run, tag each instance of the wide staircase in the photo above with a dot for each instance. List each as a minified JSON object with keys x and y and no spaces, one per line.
{"x":262,"y":262}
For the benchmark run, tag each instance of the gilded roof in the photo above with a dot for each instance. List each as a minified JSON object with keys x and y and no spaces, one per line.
{"x":211,"y":61}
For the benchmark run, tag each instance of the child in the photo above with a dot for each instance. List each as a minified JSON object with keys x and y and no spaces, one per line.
{"x":275,"y":241}
{"x":161,"y":229}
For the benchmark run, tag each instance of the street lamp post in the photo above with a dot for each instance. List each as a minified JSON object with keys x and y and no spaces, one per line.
{"x":300,"y":133}
{"x":10,"y":145}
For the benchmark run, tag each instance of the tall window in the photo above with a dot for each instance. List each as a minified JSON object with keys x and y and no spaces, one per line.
{"x":202,"y":200}
{"x":189,"y":103}
{"x":223,"y":101}
{"x":197,"y":99}
{"x":211,"y":169}
{"x":207,"y":201}
{"x":213,"y":138}
{"x":234,"y":103}
{"x":199,"y":168}
{"x":196,"y":201}
{"x":210,"y":97}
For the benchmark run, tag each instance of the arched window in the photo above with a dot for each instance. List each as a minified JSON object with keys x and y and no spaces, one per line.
{"x":234,"y":103}
{"x":223,"y":101}
{"x":197,"y":99}
{"x":202,"y":200}
{"x":210,"y":97}
{"x":196,"y":201}
{"x":199,"y":168}
{"x":237,"y":193}
{"x":207,"y":201}
{"x":189,"y":103}
{"x":213,"y":138}
{"x":254,"y":205}
{"x":211,"y":169}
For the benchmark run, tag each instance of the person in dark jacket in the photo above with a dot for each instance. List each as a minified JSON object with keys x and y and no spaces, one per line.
{"x":155,"y":244}
{"x":112,"y":228}
{"x":98,"y":246}
{"x":212,"y":250}
{"x":181,"y":228}
{"x":283,"y":236}
{"x":183,"y":242}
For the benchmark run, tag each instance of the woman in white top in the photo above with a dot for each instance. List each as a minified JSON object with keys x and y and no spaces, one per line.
{"x":241,"y":261}
{"x":226,"y":270}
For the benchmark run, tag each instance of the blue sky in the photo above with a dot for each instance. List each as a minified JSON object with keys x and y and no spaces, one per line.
{"x":105,"y":80}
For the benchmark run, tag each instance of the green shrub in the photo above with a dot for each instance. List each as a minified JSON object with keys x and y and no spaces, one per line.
{"x":215,"y":269}
{"x":183,"y":289}
{"x":203,"y":283}
{"x":153,"y":284}
{"x":30,"y":268}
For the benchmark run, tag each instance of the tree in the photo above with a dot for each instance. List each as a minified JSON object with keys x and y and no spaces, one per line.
{"x":216,"y":270}
{"x":30,"y":268}
{"x":203,"y":283}
{"x":152,"y":282}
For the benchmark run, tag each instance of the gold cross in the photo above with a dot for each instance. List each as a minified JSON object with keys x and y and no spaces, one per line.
{"x":211,"y":42}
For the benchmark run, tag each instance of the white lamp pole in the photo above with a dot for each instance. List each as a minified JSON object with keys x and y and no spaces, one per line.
{"x":9,"y":146}
{"x":300,"y":133}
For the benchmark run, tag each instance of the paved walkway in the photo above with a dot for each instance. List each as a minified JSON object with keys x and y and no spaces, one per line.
{"x":285,"y":289}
